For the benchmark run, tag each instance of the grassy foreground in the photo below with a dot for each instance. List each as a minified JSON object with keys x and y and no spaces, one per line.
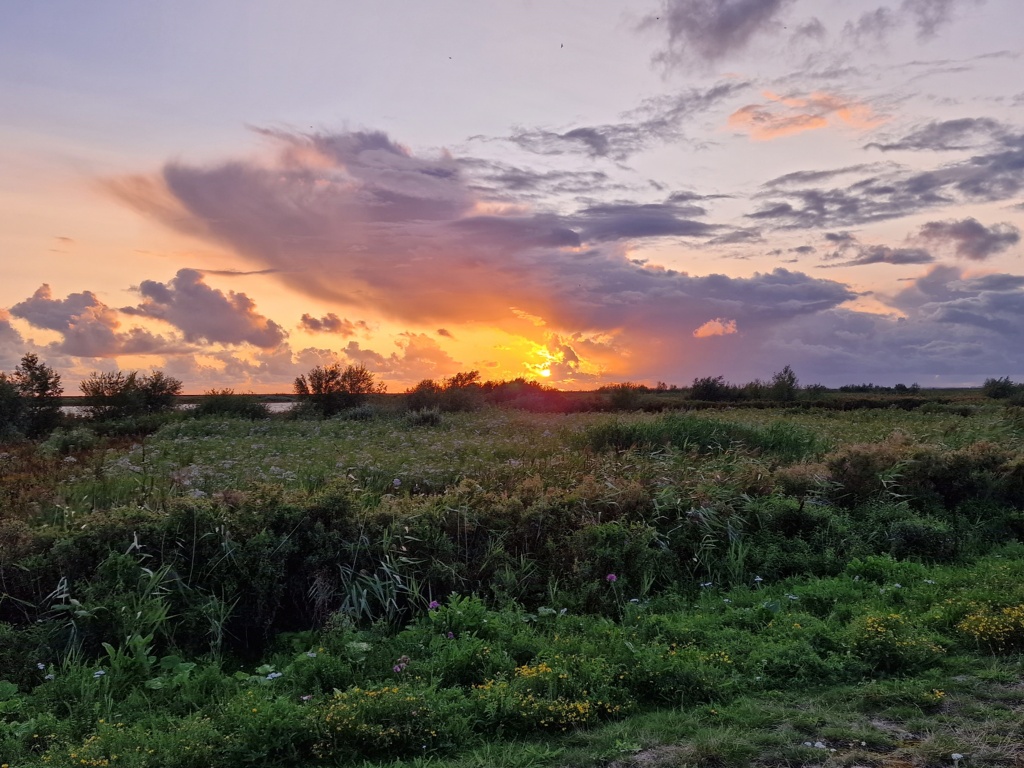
{"x":749,"y":587}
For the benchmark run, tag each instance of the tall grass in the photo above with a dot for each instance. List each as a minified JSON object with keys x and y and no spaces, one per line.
{"x":704,"y":436}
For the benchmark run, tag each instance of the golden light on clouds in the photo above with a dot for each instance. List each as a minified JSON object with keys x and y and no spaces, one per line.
{"x":717,"y":327}
{"x":784,"y":116}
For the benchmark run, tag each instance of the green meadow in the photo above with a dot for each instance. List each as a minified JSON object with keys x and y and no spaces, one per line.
{"x":722,"y":586}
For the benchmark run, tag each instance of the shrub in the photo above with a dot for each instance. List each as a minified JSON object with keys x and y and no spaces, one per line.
{"x":712,"y":389}
{"x":224,"y":402}
{"x":124,"y":395}
{"x":890,"y":643}
{"x":1000,"y":389}
{"x":389,"y":721}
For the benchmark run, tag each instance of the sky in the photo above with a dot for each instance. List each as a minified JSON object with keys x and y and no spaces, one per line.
{"x":574,"y":192}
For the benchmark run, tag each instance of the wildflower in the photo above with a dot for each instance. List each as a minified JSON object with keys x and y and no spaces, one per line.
{"x":792,"y":597}
{"x":398,"y":668}
{"x":451,"y":635}
{"x":274,"y":675}
{"x":434,"y":605}
{"x":897,"y":585}
{"x":49,"y":677}
{"x":99,"y":673}
{"x":396,"y":483}
{"x":929,"y":581}
{"x":957,"y":757}
{"x":311,"y":654}
{"x":758,"y":579}
{"x":611,"y":578}
{"x":307,"y":697}
{"x":705,"y":584}
{"x":40,"y":666}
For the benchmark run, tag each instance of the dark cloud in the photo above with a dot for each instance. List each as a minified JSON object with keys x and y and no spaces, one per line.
{"x":89,"y":327}
{"x":712,"y":29}
{"x":949,"y":329}
{"x":236,"y":272}
{"x":970,"y":239}
{"x":501,"y":181}
{"x":528,"y":273}
{"x":12,"y":346}
{"x":991,"y":176}
{"x":811,"y":177}
{"x":963,"y":133}
{"x":331,"y":323}
{"x":929,"y":15}
{"x":803,"y":250}
{"x":625,"y":221}
{"x":882,"y":254}
{"x":926,"y":15}
{"x":206,"y":314}
{"x":656,"y":119}
{"x":445,"y":332}
{"x":872,"y":26}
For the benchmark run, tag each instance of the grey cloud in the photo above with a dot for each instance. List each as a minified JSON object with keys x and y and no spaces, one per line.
{"x":883,"y":254}
{"x":929,"y":15}
{"x":713,"y":29}
{"x":809,"y":177}
{"x":624,"y":221}
{"x":995,"y":175}
{"x":872,"y":26}
{"x":331,"y":323}
{"x":502,"y":181}
{"x":89,"y":327}
{"x":971,"y":239}
{"x":203,"y":313}
{"x":308,"y":216}
{"x":946,"y":135}
{"x":656,"y":119}
{"x":952,"y":330}
{"x":43,"y":311}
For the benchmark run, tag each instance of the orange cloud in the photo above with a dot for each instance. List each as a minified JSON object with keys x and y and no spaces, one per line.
{"x":717,"y":327}
{"x":784,"y":116}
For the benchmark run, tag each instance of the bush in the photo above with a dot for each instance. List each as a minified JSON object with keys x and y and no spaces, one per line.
{"x":125,"y":395}
{"x":1000,"y":389}
{"x":225,"y":402}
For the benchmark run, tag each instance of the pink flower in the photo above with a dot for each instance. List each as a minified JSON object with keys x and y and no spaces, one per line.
{"x":611,"y":578}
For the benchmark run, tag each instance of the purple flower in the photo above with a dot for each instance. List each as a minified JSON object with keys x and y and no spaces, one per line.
{"x":611,"y":578}
{"x":451,"y":635}
{"x":434,"y":605}
{"x":398,"y":668}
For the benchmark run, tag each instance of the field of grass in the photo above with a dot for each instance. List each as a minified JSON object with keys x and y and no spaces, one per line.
{"x":727,"y":587}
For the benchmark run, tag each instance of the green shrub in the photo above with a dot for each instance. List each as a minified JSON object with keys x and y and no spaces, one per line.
{"x":225,"y":402}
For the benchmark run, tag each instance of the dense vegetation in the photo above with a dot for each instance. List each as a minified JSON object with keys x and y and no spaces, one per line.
{"x":453,"y":582}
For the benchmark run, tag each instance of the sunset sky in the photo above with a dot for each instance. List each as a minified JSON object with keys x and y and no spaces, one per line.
{"x":577,"y":192}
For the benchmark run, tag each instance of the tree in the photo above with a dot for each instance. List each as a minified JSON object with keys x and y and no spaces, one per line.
{"x":40,"y":388}
{"x":121,"y":394}
{"x":713,"y":389}
{"x":784,"y":385}
{"x":13,"y":411}
{"x":331,"y":388}
{"x":1000,"y":389}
